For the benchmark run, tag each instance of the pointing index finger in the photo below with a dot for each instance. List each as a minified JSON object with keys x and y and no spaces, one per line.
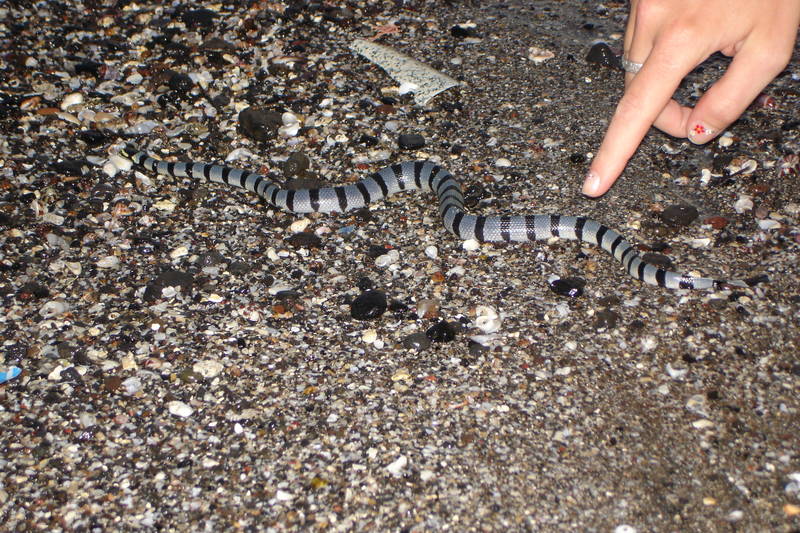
{"x":647,"y":94}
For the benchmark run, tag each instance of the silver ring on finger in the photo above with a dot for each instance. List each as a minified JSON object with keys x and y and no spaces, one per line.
{"x":629,"y":66}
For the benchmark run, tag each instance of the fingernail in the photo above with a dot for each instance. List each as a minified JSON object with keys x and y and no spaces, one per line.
{"x":701,"y":133}
{"x":591,"y":184}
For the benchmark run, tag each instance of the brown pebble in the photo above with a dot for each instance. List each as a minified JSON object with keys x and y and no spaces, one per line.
{"x":386,"y":109}
{"x":47,"y":111}
{"x":716,"y":222}
{"x":112,"y":383}
{"x":437,"y":277}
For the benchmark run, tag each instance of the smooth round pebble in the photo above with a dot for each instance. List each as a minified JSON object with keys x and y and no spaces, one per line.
{"x":418,"y":341}
{"x":369,"y":305}
{"x":179,"y":408}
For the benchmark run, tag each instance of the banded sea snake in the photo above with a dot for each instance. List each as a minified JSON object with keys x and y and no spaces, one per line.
{"x":428,"y":176}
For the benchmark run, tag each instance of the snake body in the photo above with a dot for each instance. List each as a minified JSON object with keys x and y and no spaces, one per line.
{"x":427,"y":176}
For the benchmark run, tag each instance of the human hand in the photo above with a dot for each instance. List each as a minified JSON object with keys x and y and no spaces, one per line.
{"x":671,"y":38}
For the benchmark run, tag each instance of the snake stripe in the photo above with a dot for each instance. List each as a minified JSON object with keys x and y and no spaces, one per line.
{"x":427,"y":176}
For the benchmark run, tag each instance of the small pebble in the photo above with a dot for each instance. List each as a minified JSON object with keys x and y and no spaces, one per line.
{"x":208,"y":368}
{"x":470,"y":245}
{"x":502,"y":162}
{"x":572,"y":287}
{"x":410,"y":141}
{"x":442,"y":331}
{"x":606,"y":319}
{"x":601,"y":54}
{"x":369,"y":305}
{"x":432,"y":252}
{"x":679,"y":214}
{"x":179,"y":408}
{"x":389,"y":258}
{"x":418,"y":341}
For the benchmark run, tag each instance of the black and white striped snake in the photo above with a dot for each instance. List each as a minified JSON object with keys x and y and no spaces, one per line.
{"x":428,"y":176}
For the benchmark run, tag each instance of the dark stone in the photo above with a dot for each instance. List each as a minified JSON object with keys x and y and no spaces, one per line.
{"x":92,"y":68}
{"x":376,"y":250}
{"x":606,"y":319}
{"x":368,"y":305}
{"x":92,"y":137}
{"x":661,"y":261}
{"x":71,"y":375}
{"x":462,"y":31}
{"x":417,"y":341}
{"x":304,"y":239}
{"x":679,"y":214}
{"x":180,"y":83}
{"x":295,"y":164}
{"x":602,"y":54}
{"x":71,"y":167}
{"x":577,"y":158}
{"x":168,"y":278}
{"x":198,"y":17}
{"x":368,"y":140}
{"x":443,"y":331}
{"x":216,"y":43}
{"x":572,"y":287}
{"x":476,"y":348}
{"x":32,"y":289}
{"x":364,"y":283}
{"x":260,"y":124}
{"x":210,"y":258}
{"x":410,"y":141}
{"x":239,"y":267}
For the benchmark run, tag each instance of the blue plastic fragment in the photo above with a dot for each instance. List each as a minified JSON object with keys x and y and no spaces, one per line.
{"x":9,"y":374}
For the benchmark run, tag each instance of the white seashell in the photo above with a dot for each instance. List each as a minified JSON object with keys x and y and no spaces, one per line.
{"x":502,"y":162}
{"x":109,"y":261}
{"x":397,"y":466}
{"x":179,"y":408}
{"x":165,"y":205}
{"x":768,"y":224}
{"x":432,"y":252}
{"x":488,"y":324}
{"x":470,"y":245}
{"x":208,"y":368}
{"x":539,"y":55}
{"x":744,"y":203}
{"x":389,"y":258}
{"x":71,"y":100}
{"x":53,"y":308}
{"x":407,"y":87}
{"x":726,"y":139}
{"x":300,"y":225}
{"x":120,"y":162}
{"x":289,"y":131}
{"x":369,"y":336}
{"x":180,"y":251}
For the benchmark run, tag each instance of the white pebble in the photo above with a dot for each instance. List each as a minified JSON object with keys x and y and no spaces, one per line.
{"x":768,"y":224}
{"x":53,"y":308}
{"x":279,"y":286}
{"x":744,"y":203}
{"x":71,"y":100}
{"x":539,"y":55}
{"x":168,"y":292}
{"x":165,"y":205}
{"x":389,"y":258}
{"x":426,"y":475}
{"x":397,"y":466}
{"x":179,"y":408}
{"x":109,"y":261}
{"x":407,"y":87}
{"x":432,"y":252}
{"x":120,"y":162}
{"x":132,"y":386}
{"x":703,"y":423}
{"x":180,"y":251}
{"x":369,"y":336}
{"x":470,"y":245}
{"x":208,"y":368}
{"x":75,"y":268}
{"x":624,"y":528}
{"x":300,"y":225}
{"x":502,"y":162}
{"x":676,"y":373}
{"x":283,"y":496}
{"x":735,"y":515}
{"x":726,"y":139}
{"x":487,"y":320}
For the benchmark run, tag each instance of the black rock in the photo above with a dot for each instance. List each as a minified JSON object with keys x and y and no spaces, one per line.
{"x":572,"y":287}
{"x":92,"y":137}
{"x":91,"y":68}
{"x":577,"y":158}
{"x":199,"y":17}
{"x":71,"y":167}
{"x":210,"y":258}
{"x":368,"y":305}
{"x":180,"y":83}
{"x":462,"y":31}
{"x":659,"y":260}
{"x":602,"y":54}
{"x":168,"y":278}
{"x":410,"y":141}
{"x":679,"y":215}
{"x":304,"y":239}
{"x":443,"y":331}
{"x":417,"y":341}
{"x":260,"y":124}
{"x":476,"y":348}
{"x":368,"y":140}
{"x":606,"y":319}
{"x":32,"y":289}
{"x":296,"y":164}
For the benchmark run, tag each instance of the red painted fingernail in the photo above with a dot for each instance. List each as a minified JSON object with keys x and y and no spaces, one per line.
{"x":701,"y":134}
